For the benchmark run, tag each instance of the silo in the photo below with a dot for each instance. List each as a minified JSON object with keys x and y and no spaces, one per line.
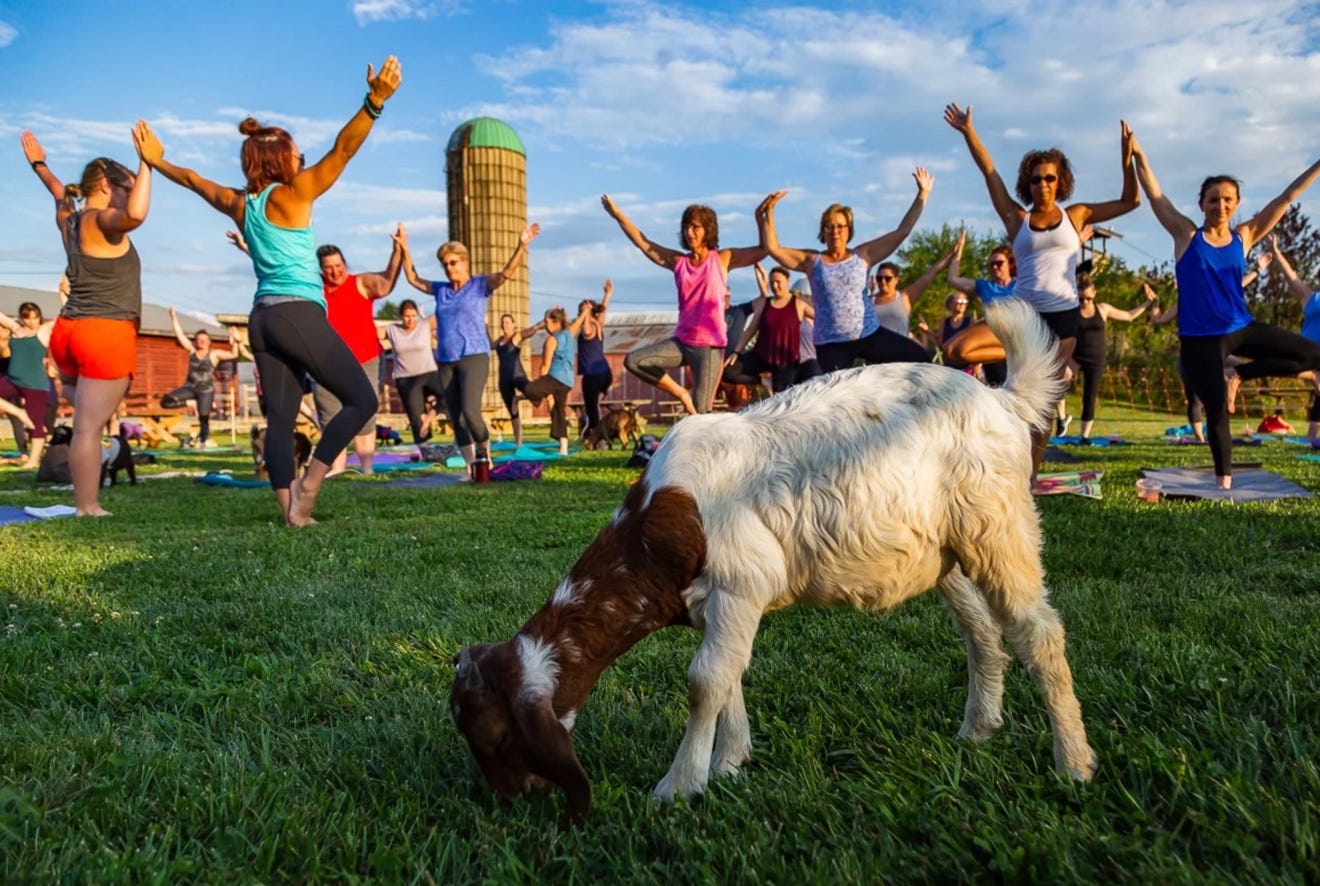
{"x":486,"y":182}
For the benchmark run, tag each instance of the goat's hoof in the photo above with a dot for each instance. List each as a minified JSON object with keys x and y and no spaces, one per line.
{"x":979,"y":732}
{"x":669,"y":790}
{"x":1081,"y":769}
{"x":726,"y":768}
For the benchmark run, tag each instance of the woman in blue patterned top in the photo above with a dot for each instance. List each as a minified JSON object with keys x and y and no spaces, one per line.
{"x":462,"y":350}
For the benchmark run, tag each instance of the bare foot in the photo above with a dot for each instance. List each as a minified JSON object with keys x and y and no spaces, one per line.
{"x":300,"y":506}
{"x":28,"y":466}
{"x":1234,"y":382}
{"x":96,"y":511}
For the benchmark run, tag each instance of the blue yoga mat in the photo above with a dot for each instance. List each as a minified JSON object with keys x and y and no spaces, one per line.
{"x":1094,"y":441}
{"x":214,"y":479}
{"x":529,"y":453}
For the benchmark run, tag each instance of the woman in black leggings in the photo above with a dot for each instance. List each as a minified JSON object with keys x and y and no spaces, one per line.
{"x":1213,"y":320}
{"x":415,"y":373}
{"x":1088,"y":359}
{"x":290,"y":335}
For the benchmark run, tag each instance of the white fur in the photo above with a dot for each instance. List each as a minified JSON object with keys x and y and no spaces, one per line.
{"x":568,"y":720}
{"x":865,"y":488}
{"x":540,"y":674}
{"x":566,"y":594}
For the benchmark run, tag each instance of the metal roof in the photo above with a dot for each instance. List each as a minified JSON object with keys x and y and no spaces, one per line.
{"x":486,"y":132}
{"x":155,"y":318}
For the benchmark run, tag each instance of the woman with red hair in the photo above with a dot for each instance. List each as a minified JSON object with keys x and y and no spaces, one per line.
{"x":290,"y":335}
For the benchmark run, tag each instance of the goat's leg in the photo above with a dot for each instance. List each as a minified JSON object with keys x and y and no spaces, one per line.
{"x":986,"y":658}
{"x":1036,"y":635}
{"x":713,"y":678}
{"x":733,"y":735}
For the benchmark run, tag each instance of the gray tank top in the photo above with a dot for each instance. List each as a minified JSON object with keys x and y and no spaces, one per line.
{"x":110,"y":288}
{"x":894,"y":316}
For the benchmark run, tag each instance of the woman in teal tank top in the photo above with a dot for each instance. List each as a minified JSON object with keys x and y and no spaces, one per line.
{"x":290,"y":336}
{"x":26,"y":379}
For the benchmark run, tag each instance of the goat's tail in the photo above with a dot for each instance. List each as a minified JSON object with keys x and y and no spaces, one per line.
{"x":1034,"y":381}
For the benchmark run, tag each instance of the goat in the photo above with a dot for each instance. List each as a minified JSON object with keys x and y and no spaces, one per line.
{"x":863,"y":487}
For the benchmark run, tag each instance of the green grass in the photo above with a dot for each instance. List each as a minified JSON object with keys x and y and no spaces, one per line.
{"x":189,"y":692}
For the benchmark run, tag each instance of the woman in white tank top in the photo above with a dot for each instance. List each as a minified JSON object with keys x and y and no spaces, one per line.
{"x":1044,"y":235}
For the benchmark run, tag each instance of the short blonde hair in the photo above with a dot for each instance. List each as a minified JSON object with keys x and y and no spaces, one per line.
{"x":451,"y":247}
{"x":840,"y":209}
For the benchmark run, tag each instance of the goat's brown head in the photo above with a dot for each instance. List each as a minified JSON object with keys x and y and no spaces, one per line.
{"x":519,"y":743}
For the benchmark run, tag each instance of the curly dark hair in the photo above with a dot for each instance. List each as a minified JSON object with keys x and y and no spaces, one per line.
{"x":1030,"y":161}
{"x":704,"y":216}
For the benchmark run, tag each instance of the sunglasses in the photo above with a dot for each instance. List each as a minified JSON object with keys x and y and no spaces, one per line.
{"x":998,"y":263}
{"x":885,"y":277}
{"x":1048,"y":179}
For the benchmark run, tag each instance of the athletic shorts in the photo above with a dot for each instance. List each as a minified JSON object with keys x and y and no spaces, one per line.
{"x":94,"y":347}
{"x":1064,"y":324}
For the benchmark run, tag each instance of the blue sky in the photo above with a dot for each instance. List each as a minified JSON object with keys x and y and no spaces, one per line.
{"x":659,"y":105}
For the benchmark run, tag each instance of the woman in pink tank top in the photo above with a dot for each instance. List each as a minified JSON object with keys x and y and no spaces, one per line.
{"x":700,"y":275}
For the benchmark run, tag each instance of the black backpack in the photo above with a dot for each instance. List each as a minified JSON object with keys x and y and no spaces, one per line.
{"x":642,"y":452}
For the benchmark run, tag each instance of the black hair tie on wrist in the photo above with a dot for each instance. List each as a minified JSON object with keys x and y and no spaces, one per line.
{"x":35,"y":163}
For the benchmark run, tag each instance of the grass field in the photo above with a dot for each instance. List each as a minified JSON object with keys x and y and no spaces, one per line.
{"x":190,"y":692}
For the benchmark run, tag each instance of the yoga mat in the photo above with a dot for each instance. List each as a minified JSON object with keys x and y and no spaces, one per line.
{"x":1093,"y":441}
{"x":1250,"y":483}
{"x":10,"y":514}
{"x":1083,"y":483}
{"x":528,"y":453}
{"x":502,"y":446}
{"x":214,"y":479}
{"x":383,"y":458}
{"x":1055,"y":454}
{"x":393,"y":467}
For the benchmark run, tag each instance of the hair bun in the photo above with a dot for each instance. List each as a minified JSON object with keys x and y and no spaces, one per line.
{"x":72,"y":192}
{"x":249,"y":126}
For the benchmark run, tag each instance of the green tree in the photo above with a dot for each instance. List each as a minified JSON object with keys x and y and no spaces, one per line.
{"x":1268,"y":297}
{"x":926,"y":247}
{"x":388,"y":310}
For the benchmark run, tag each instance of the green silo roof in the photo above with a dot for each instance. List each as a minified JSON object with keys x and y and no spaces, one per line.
{"x":486,"y":132}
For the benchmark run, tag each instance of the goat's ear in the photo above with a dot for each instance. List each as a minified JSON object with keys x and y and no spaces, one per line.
{"x":466,"y":672}
{"x":550,"y":753}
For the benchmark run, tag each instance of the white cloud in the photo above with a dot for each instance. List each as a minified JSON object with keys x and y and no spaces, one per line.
{"x":370,"y":11}
{"x":8,"y":34}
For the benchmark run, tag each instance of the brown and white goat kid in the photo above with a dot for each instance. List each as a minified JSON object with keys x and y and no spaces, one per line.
{"x":864,"y":487}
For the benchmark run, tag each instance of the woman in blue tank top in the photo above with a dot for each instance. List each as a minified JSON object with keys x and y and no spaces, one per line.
{"x":593,"y":366}
{"x":290,"y":335}
{"x":1213,"y":320}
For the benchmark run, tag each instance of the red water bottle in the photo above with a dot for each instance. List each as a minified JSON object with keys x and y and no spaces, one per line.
{"x":481,"y":470}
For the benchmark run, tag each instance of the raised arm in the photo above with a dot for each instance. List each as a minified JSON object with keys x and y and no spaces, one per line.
{"x":1179,"y":226}
{"x":223,"y":199}
{"x":380,"y":284}
{"x":115,"y":222}
{"x":793,"y":259}
{"x":1296,"y":285}
{"x":608,"y":292}
{"x":661,"y":255}
{"x":495,"y":281}
{"x":917,"y":288}
{"x":316,"y":179}
{"x":410,"y":269}
{"x":965,"y":285}
{"x":240,"y":344}
{"x":1109,"y":312}
{"x":8,"y":322}
{"x":575,"y":325}
{"x":1005,"y":206}
{"x":523,"y":334}
{"x":1158,"y":317}
{"x":1264,"y":221}
{"x":1094,"y":213}
{"x":35,"y":155}
{"x":877,"y":250}
{"x":236,"y":240}
{"x":183,"y":340}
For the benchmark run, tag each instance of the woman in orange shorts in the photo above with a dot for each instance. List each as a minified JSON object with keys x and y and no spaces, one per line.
{"x":94,"y":342}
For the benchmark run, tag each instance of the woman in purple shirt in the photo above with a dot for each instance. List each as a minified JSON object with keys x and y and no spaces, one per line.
{"x":462,"y":352}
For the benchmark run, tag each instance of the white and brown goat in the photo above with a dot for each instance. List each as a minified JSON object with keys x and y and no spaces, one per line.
{"x":864,"y":487}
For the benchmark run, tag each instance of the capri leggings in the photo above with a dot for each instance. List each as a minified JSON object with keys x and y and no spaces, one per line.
{"x":462,"y":382}
{"x":881,"y":346}
{"x":291,"y":339}
{"x":413,"y":391}
{"x":649,"y":364}
{"x":1092,"y":371}
{"x":1272,"y":351}
{"x":594,"y":386}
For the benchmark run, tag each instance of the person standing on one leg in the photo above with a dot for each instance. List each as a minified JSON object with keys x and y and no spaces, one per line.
{"x":1210,"y":260}
{"x":290,"y":335}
